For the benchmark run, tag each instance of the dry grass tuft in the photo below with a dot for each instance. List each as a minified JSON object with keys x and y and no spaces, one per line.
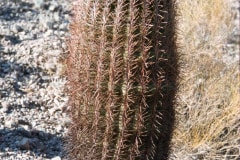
{"x":208,"y":118}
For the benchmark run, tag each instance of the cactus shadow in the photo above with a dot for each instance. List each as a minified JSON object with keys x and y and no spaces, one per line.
{"x":12,"y":13}
{"x":38,"y":143}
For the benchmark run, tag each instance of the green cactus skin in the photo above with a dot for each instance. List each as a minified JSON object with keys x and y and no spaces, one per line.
{"x":122,"y":72}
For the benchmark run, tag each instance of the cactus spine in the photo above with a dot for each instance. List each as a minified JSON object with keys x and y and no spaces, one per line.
{"x":122,"y":70}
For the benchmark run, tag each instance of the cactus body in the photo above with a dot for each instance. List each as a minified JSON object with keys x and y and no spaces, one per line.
{"x":122,"y":70}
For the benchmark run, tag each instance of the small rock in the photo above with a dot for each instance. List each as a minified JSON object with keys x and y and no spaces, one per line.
{"x":56,"y":158}
{"x":55,"y":26}
{"x":34,"y":36}
{"x":56,"y":17}
{"x":48,"y":33}
{"x":25,"y":127}
{"x":50,"y":24}
{"x":10,"y":123}
{"x":67,"y":121}
{"x":23,"y":122}
{"x":6,"y":50}
{"x":5,"y":106}
{"x":59,"y":128}
{"x":24,"y":144}
{"x":2,"y":154}
{"x":56,"y":52}
{"x":23,"y":132}
{"x":53,"y":110}
{"x":17,"y":29}
{"x":63,"y":27}
{"x":54,"y":7}
{"x":38,"y":3}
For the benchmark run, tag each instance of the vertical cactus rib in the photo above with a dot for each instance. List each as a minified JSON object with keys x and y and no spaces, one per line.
{"x":114,"y":78}
{"x":74,"y":65}
{"x":99,"y":94}
{"x":122,"y":75}
{"x":155,"y":73}
{"x":121,"y":149}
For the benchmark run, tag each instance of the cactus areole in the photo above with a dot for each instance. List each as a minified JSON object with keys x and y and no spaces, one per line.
{"x":122,"y":71}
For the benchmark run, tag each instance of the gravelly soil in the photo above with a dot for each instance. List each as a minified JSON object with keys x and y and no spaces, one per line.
{"x":32,"y":118}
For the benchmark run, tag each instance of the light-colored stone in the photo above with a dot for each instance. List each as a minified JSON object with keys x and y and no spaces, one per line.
{"x":56,"y":158}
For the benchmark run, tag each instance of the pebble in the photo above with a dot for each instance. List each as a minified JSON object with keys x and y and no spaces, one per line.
{"x":5,"y":107}
{"x":10,"y":123}
{"x":25,"y":144}
{"x":56,"y":158}
{"x":17,"y":29}
{"x":38,"y":3}
{"x":63,"y":27}
{"x":54,"y":7}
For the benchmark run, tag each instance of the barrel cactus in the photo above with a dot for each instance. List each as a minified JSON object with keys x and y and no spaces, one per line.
{"x":122,"y":71}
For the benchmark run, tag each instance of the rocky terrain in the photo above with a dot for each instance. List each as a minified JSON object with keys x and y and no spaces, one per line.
{"x":32,"y":102}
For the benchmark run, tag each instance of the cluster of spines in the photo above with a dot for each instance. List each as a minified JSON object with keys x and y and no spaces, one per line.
{"x":117,"y":67}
